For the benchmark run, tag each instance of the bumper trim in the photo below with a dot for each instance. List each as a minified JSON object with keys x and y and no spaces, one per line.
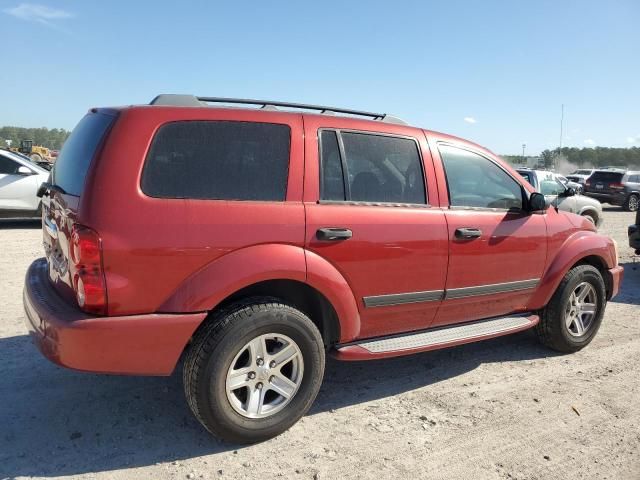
{"x":134,"y":345}
{"x":617,"y":273}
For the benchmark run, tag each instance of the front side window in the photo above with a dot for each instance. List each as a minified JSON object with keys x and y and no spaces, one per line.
{"x":218,"y":160}
{"x":373,"y":168}
{"x":475,"y":181}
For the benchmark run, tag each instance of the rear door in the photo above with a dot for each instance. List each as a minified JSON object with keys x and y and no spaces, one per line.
{"x":497,"y":251}
{"x":372,"y":186}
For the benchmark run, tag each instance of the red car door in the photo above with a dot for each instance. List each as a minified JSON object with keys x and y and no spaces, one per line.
{"x":369,"y":196}
{"x":497,"y":250}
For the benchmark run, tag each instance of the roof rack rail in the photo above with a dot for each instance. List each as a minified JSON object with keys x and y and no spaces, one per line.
{"x":193,"y":101}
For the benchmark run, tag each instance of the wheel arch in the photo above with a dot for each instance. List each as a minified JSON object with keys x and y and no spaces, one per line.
{"x":579,"y":249}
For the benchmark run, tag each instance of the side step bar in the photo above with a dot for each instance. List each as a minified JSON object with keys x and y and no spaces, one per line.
{"x":434,"y":339}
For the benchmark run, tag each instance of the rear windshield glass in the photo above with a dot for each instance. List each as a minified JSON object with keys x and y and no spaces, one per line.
{"x":218,"y":160}
{"x":606,"y":177}
{"x":70,"y":169}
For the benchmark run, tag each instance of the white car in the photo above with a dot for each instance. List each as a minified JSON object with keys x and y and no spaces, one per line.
{"x":20,"y":180}
{"x":581,"y":175}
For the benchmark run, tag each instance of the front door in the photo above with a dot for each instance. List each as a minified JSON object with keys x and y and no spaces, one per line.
{"x":497,"y":250}
{"x":370,"y":218}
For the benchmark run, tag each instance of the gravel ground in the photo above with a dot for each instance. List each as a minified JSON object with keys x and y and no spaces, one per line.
{"x":504,"y":408}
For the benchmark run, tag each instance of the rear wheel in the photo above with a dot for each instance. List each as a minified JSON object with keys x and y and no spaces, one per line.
{"x":35,"y":157}
{"x":253,"y":370}
{"x":574,"y":314}
{"x":632,"y":203}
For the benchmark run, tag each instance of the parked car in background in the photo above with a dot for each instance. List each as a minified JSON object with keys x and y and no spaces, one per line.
{"x":634,"y":234}
{"x":577,"y":187}
{"x":615,"y":187}
{"x":20,"y":180}
{"x":562,"y":196}
{"x":581,"y":175}
{"x":253,"y":242}
{"x":41,"y":163}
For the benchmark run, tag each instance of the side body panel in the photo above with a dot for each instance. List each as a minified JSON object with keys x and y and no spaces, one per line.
{"x":396,"y":251}
{"x":494,"y":274}
{"x":152,"y":247}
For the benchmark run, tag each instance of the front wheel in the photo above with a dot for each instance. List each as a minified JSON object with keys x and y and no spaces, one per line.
{"x":574,"y":314}
{"x":253,"y":370}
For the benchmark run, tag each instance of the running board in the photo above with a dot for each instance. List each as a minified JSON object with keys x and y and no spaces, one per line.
{"x":435,"y":338}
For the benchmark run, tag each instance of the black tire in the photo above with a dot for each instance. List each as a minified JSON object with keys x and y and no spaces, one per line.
{"x":217,"y":344}
{"x":632,"y":202}
{"x":590,"y":217}
{"x":552,"y":329}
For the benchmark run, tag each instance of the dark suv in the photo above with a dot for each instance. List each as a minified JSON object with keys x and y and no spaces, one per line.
{"x":253,"y":242}
{"x":616,"y":187}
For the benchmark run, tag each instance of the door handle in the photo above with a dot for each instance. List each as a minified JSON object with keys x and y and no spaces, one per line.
{"x":334,"y":234}
{"x":466,"y":233}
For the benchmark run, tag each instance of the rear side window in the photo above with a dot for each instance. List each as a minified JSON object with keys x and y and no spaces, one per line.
{"x":371,"y":168}
{"x":606,"y":177}
{"x":70,"y":170}
{"x":218,"y":160}
{"x":8,"y":166}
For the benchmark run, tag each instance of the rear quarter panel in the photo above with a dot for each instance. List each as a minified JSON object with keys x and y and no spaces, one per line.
{"x":152,"y":246}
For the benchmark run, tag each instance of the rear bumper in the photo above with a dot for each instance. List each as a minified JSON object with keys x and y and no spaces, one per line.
{"x":616,"y":279}
{"x":134,"y":345}
{"x":611,"y":198}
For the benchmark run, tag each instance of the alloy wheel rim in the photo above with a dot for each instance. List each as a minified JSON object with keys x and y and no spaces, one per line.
{"x":264,"y":376}
{"x":633,"y":203}
{"x":581,"y":309}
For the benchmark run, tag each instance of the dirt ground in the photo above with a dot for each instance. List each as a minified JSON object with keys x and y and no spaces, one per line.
{"x":505,"y":408}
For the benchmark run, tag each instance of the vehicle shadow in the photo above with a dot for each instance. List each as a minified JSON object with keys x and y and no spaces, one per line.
{"x":18,"y":224}
{"x":58,"y":422}
{"x":630,"y":289}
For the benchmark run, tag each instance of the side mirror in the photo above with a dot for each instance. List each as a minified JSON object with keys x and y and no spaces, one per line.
{"x":22,"y":170}
{"x":569,"y":192}
{"x":537,"y":202}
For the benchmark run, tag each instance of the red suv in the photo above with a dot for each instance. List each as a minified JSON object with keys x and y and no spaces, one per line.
{"x":253,"y":242}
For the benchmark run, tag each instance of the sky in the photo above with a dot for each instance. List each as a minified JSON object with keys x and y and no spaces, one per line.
{"x":494,"y":72}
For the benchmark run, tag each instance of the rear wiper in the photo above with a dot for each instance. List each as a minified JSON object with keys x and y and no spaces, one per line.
{"x":46,"y":187}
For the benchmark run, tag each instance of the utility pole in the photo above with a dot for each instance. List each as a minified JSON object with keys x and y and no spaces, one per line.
{"x":524,"y":145}
{"x":561,"y":123}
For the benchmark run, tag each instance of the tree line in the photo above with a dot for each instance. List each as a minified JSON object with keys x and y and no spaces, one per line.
{"x":51,"y":138}
{"x":586,"y":157}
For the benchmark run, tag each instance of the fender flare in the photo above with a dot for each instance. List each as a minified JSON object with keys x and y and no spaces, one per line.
{"x":226,"y":275}
{"x":576,"y":247}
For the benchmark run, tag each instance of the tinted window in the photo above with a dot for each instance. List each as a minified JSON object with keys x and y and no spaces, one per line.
{"x":70,"y":169}
{"x":218,"y":160}
{"x":383,"y":169}
{"x":8,"y":166}
{"x":634,"y":179}
{"x":332,"y":176}
{"x":606,"y":177}
{"x":475,"y":181}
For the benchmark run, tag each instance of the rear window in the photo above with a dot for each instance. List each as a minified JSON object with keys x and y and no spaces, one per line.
{"x":218,"y":160}
{"x":70,"y":170}
{"x":606,"y":177}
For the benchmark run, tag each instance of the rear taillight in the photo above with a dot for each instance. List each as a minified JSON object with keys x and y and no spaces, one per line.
{"x":88,"y":275}
{"x":587,"y":183}
{"x":616,"y":186}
